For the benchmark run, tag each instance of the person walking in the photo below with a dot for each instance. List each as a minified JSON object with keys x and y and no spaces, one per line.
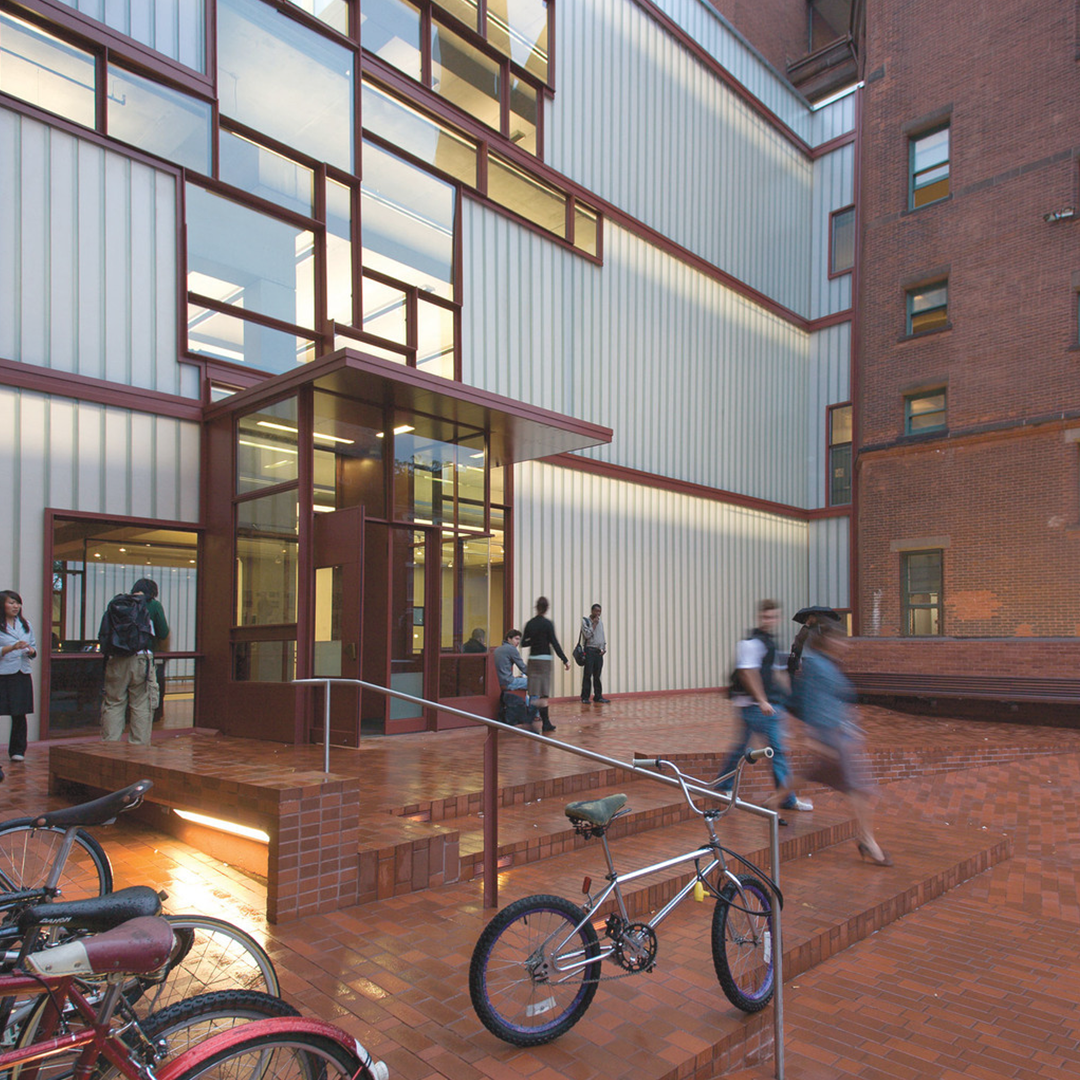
{"x":821,"y":698}
{"x":131,"y":628}
{"x":762,"y":686}
{"x":17,"y":649}
{"x":541,"y":639}
{"x":595,"y":642}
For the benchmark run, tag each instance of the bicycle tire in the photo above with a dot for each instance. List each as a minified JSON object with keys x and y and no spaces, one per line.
{"x":172,"y":1031}
{"x":742,"y":944}
{"x":298,"y":1049}
{"x":27,"y":854}
{"x":510,"y":975}
{"x":211,"y":954}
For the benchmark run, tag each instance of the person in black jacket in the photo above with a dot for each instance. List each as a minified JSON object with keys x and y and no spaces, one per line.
{"x":541,"y":639}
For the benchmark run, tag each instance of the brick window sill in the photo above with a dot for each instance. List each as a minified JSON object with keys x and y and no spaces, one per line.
{"x":924,"y":334}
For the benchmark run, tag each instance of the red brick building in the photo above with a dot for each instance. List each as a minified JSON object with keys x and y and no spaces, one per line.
{"x":966,"y":368}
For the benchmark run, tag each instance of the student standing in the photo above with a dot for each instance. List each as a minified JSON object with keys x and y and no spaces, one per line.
{"x":17,"y":649}
{"x":595,"y":642}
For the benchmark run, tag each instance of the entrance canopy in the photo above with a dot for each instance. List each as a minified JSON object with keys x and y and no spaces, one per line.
{"x":517,"y":431}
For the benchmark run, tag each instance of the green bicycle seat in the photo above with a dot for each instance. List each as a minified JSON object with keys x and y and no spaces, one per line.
{"x":596,"y":811}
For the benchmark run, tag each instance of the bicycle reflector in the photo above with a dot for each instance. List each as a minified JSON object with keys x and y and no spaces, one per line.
{"x":586,"y":885}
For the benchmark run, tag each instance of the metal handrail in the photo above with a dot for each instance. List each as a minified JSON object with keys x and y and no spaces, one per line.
{"x":491,"y":816}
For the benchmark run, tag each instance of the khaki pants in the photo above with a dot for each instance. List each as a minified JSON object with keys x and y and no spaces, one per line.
{"x":127,"y":685}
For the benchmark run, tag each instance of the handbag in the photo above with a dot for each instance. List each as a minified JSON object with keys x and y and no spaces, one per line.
{"x":579,"y":652}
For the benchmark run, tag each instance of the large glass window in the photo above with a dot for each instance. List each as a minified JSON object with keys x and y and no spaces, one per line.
{"x":334,"y":13}
{"x":421,"y":136}
{"x":524,"y":110}
{"x":348,"y":455}
{"x":339,"y":268}
{"x":929,"y":167}
{"x":928,"y":307}
{"x":464,"y":75}
{"x":519,"y":29}
{"x":249,"y":260}
{"x":265,"y":173}
{"x":921,"y":577}
{"x":432,"y":481}
{"x":407,"y":221}
{"x":159,"y":120}
{"x":266,"y":560}
{"x":47,"y":72}
{"x":216,"y":335}
{"x":524,"y":194}
{"x":840,"y":455}
{"x":266,"y":447}
{"x":391,"y":30}
{"x":286,"y":80}
{"x":435,"y":338}
{"x":386,"y":310}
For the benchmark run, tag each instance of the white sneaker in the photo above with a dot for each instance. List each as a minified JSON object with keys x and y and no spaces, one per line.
{"x":800,"y":804}
{"x":17,"y":757}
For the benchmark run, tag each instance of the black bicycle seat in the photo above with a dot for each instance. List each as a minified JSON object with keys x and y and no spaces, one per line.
{"x":596,"y":812}
{"x":99,"y":812}
{"x":95,"y":915}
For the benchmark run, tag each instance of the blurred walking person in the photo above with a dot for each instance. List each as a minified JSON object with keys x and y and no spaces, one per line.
{"x":541,"y":640}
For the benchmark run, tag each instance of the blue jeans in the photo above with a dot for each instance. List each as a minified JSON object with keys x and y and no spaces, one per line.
{"x":755,"y":722}
{"x":518,"y":682}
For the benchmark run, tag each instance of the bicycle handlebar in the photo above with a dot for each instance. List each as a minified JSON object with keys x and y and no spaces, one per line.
{"x":757,"y":755}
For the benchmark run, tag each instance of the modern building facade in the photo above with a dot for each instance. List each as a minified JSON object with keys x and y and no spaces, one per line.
{"x":360,"y":325}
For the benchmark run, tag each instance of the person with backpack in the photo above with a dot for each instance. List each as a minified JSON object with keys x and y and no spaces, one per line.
{"x":758,"y":687}
{"x":17,"y":649}
{"x":132,"y":627}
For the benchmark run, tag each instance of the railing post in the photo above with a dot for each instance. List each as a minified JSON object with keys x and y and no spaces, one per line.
{"x":778,"y":951}
{"x":326,"y":729}
{"x":491,"y":818}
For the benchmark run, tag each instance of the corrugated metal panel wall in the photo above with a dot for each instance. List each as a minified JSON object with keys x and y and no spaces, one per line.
{"x":679,"y":577}
{"x":88,"y":260}
{"x":827,"y":384}
{"x":171,"y":27}
{"x":832,"y":121}
{"x":828,"y":545}
{"x":640,"y":121}
{"x":834,"y":188}
{"x":697,"y":383}
{"x":74,"y":455}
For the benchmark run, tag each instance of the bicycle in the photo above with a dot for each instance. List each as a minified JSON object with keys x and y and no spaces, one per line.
{"x":536,"y":966}
{"x":313,"y":1050}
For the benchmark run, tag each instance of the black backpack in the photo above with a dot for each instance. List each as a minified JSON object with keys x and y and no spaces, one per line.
{"x":126,"y":628}
{"x":735,"y":686}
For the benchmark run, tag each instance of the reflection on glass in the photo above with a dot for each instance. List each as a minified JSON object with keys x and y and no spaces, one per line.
{"x":339,"y":285}
{"x":585,"y":229}
{"x":371,"y":348}
{"x":265,"y":581}
{"x":46,"y":71}
{"x":465,"y":76}
{"x":391,"y":30}
{"x":159,"y":120}
{"x":303,"y":98}
{"x":248,"y":259}
{"x":468,"y":11}
{"x":328,"y":610}
{"x":264,"y":661}
{"x":843,"y":241}
{"x":421,"y":136}
{"x":225,"y":337}
{"x":423,"y":478}
{"x":497,"y":474}
{"x":434,"y":339}
{"x":266,"y":449}
{"x":523,"y":109}
{"x":385,"y":310}
{"x":407,"y":221}
{"x":348,"y":455}
{"x":525,"y":195}
{"x":265,"y":173}
{"x":407,"y":626}
{"x":276,"y":515}
{"x":518,"y":28}
{"x":470,"y":484}
{"x":334,"y":13}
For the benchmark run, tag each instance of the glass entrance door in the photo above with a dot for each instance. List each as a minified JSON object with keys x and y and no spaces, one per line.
{"x":410,"y":629}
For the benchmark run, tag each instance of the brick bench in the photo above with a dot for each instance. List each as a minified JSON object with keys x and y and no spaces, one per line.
{"x":979,"y":687}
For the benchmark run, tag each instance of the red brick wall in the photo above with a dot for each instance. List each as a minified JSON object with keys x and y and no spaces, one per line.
{"x":776,"y":28}
{"x":1055,"y":658}
{"x":1002,"y":486}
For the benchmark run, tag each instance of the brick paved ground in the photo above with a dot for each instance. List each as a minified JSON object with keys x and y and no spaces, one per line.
{"x":983,"y":983}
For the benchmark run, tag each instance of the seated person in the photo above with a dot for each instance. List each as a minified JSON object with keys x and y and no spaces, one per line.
{"x":476,"y":643}
{"x":507,"y":658}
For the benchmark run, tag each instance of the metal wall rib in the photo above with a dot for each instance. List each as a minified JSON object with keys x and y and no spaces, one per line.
{"x":834,"y":188}
{"x":173,"y":28}
{"x":639,"y":120}
{"x":679,"y":577}
{"x":828,"y":557}
{"x":73,"y":455}
{"x":88,"y":260}
{"x":697,"y":382}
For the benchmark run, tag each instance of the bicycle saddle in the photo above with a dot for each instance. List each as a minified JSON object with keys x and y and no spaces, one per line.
{"x":135,"y":948}
{"x":96,"y":915}
{"x":596,"y":812}
{"x":99,"y":812}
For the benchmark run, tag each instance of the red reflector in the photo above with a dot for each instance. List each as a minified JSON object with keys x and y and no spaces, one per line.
{"x":586,"y":885}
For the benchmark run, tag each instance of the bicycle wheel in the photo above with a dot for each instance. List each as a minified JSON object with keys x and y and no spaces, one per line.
{"x":27,"y":855}
{"x":211,"y":954}
{"x":532,"y":975}
{"x":160,"y":1037}
{"x":298,"y":1049}
{"x":742,"y":944}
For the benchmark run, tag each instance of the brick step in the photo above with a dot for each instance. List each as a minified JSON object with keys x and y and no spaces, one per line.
{"x":832,"y":901}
